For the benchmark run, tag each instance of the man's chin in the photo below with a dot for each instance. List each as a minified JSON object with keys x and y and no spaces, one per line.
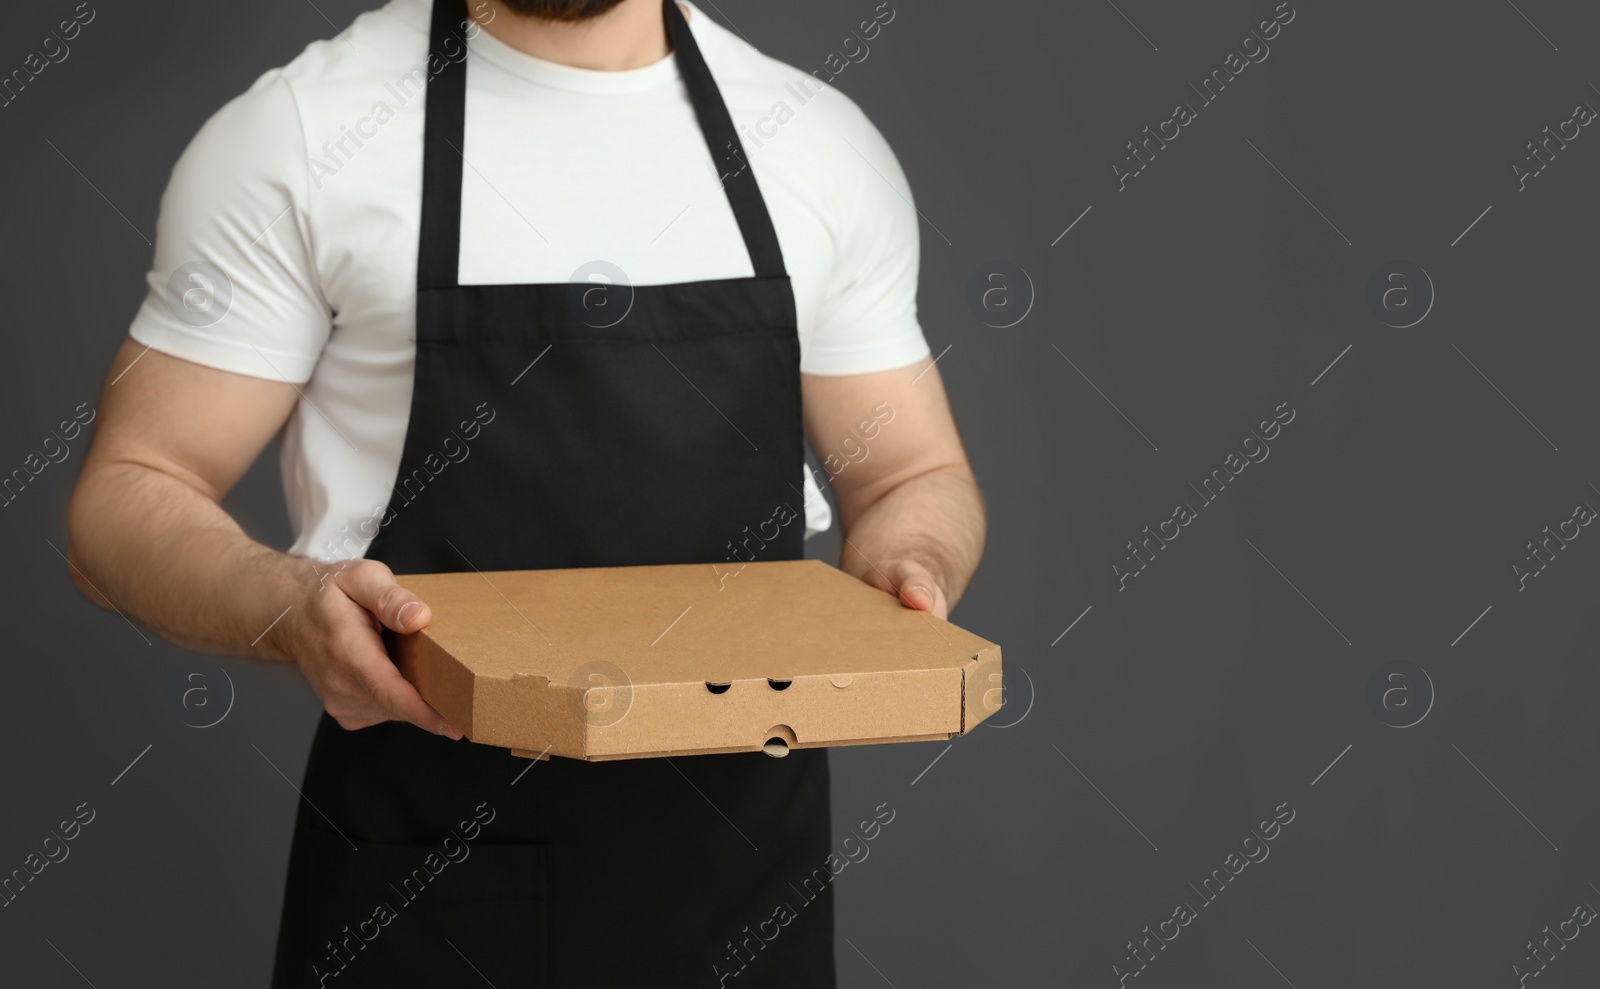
{"x":560,"y":10}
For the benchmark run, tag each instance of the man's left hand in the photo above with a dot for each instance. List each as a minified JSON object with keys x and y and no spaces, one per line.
{"x":912,"y":583}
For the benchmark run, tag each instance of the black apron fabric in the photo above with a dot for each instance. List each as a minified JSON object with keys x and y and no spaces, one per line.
{"x":417,"y":860}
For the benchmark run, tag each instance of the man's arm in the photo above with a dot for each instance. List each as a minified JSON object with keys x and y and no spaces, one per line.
{"x":149,"y":537}
{"x":910,"y":509}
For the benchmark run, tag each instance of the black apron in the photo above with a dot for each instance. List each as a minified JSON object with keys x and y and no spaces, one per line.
{"x":653,"y":438}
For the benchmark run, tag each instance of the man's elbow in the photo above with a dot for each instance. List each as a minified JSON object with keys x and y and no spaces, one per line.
{"x":78,"y":534}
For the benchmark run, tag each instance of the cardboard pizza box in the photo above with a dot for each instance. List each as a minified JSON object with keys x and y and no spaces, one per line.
{"x":628,"y":662}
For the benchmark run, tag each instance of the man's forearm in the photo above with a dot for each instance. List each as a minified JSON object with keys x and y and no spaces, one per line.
{"x":935,"y":519}
{"x":153,"y":547}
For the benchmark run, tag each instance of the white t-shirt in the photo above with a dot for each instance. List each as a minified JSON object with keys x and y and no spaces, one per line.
{"x":301,"y":200}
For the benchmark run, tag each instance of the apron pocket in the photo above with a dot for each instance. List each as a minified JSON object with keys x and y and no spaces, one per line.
{"x":391,"y":915}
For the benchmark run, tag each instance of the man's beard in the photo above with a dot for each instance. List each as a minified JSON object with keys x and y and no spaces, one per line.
{"x":560,"y":10}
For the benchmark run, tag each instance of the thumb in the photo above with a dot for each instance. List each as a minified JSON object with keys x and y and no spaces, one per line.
{"x":912,"y":583}
{"x":372,"y":585}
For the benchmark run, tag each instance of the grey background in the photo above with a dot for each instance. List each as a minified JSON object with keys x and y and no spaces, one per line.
{"x":1175,"y":715}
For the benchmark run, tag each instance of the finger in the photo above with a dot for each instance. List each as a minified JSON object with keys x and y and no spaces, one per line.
{"x":349,"y":702}
{"x":875,"y":577}
{"x":890,"y":576}
{"x":395,"y":695}
{"x":372,"y":585}
{"x":914,"y":585}
{"x":356,"y":722}
{"x":367,"y":676}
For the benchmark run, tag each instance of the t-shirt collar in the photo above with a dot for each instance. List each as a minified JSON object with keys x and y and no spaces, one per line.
{"x":566,"y":77}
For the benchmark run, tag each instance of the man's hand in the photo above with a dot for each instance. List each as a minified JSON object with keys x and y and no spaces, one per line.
{"x":150,"y":538}
{"x":336,"y":638}
{"x":912,"y":583}
{"x":909,"y":507}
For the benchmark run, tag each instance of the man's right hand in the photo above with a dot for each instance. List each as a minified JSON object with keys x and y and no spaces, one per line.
{"x":335,"y":635}
{"x":151,"y":539}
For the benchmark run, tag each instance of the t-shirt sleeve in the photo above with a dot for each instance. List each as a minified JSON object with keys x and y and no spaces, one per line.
{"x":868,"y":318}
{"x":233,"y":284}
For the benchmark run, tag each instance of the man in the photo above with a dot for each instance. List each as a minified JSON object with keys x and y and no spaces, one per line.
{"x":386,"y":249}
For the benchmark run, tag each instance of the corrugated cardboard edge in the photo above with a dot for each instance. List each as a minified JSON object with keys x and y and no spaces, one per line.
{"x":979,"y":678}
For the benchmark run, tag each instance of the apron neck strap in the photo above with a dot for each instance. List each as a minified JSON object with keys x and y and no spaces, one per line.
{"x":443,"y":134}
{"x":722,"y":139}
{"x":444,"y":144}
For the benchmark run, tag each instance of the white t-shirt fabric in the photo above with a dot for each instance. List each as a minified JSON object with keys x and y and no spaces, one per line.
{"x":287,"y":241}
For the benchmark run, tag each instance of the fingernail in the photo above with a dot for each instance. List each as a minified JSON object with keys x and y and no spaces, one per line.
{"x":449,"y":731}
{"x":405,"y":609}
